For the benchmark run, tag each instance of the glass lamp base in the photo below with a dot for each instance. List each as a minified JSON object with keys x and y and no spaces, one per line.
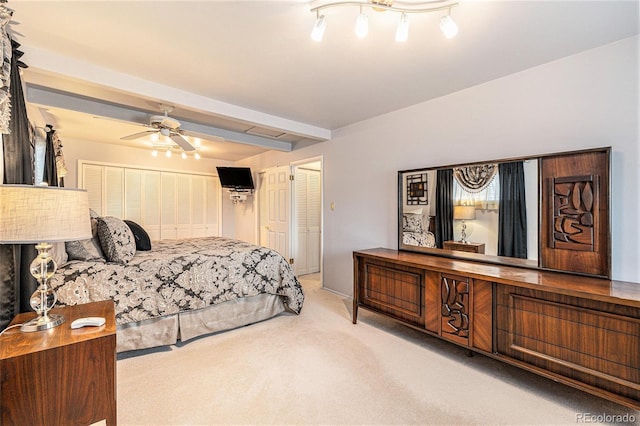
{"x":42,"y":323}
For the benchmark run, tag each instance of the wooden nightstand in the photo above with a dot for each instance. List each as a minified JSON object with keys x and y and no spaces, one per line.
{"x":60,"y":376}
{"x":468,"y":247}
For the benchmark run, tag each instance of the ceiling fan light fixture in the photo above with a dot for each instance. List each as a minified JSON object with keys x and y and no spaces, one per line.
{"x":196,"y":156}
{"x":168,"y":153}
{"x":362,"y":24}
{"x":318,"y":28}
{"x":154,"y":153}
{"x":448,"y":27}
{"x":402,"y":32}
{"x":183,"y":155}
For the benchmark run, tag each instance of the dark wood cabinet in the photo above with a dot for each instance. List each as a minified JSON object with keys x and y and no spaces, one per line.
{"x":60,"y":376}
{"x":581,"y":331}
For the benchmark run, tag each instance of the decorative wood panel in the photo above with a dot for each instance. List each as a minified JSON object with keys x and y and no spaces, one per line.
{"x":455,"y":310}
{"x":598,"y":347}
{"x":482,"y":330}
{"x":395,"y":290}
{"x":574,"y":221}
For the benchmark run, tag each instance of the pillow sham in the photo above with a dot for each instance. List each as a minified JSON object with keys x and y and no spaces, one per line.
{"x":116,"y":239}
{"x":84,"y":250}
{"x":143,"y":242}
{"x":412,"y":222}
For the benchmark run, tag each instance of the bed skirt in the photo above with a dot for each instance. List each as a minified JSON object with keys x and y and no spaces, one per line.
{"x":188,"y":325}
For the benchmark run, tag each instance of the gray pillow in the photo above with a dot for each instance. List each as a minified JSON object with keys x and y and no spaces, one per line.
{"x":116,"y":239}
{"x":84,"y":250}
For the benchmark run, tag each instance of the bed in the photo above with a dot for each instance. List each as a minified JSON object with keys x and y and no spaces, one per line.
{"x":417,"y":228}
{"x":180,"y":289}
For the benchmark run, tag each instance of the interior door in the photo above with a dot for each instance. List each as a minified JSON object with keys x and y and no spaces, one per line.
{"x":307,"y":197}
{"x":278,"y":191}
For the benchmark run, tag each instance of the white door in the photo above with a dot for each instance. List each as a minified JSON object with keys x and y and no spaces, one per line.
{"x":307,"y":197}
{"x":278,"y":188}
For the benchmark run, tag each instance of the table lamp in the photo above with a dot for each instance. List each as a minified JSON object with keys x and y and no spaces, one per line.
{"x":43,"y":215}
{"x":464,"y":213}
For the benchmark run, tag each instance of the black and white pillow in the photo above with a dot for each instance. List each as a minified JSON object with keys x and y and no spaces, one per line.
{"x":84,"y":250}
{"x":116,"y":239}
{"x":143,"y":242}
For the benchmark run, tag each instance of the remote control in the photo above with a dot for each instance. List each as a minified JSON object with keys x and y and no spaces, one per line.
{"x":88,"y":321}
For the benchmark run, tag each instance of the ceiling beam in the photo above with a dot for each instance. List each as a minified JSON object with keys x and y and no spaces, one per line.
{"x":52,"y":98}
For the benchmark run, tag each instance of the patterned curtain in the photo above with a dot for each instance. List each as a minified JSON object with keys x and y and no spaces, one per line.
{"x":16,"y":282}
{"x":444,"y":206}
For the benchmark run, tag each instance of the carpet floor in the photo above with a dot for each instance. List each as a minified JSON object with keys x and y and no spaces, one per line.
{"x":319,"y":368}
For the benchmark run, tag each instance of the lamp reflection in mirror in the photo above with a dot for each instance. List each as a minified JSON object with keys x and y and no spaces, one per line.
{"x":43,"y":215}
{"x":464,"y":213}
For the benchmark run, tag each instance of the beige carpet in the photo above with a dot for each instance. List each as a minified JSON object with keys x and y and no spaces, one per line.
{"x":319,"y":368}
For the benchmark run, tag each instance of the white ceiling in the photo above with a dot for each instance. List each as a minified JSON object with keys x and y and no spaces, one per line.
{"x":227,"y":66}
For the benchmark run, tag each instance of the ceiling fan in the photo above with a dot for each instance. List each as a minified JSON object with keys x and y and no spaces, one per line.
{"x":165,"y":126}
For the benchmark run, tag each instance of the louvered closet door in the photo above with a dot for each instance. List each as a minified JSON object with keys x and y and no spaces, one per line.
{"x":198,"y":206}
{"x":300,"y":264}
{"x":151,"y":204}
{"x":212,"y":202}
{"x":314,"y":220}
{"x":92,"y":178}
{"x":113,"y":192}
{"x":168,"y":219}
{"x":183,"y":205}
{"x":133,"y":195}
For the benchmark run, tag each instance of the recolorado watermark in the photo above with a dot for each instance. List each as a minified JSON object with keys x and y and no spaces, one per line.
{"x":605,"y":418}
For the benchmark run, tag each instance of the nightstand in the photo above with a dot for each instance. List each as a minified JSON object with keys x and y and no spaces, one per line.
{"x":60,"y":376}
{"x":468,"y":247}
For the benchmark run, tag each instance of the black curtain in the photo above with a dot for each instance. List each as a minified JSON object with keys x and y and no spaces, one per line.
{"x":444,"y":206}
{"x":16,"y":282}
{"x":50,"y":171}
{"x":512,"y":212}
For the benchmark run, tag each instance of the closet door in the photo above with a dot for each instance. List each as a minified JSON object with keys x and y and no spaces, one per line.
{"x":212,"y":202}
{"x":133,"y":195}
{"x":168,"y":219}
{"x":183,"y":205}
{"x":314,"y":216}
{"x":301,"y":265}
{"x":92,"y":181}
{"x":151,"y":204}
{"x":113,"y":192}
{"x":198,"y":206}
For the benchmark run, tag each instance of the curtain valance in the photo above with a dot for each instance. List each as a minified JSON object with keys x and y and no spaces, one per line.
{"x":475,"y":178}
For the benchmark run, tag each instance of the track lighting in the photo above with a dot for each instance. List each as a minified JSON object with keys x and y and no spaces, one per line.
{"x":402,"y":32}
{"x":447,"y":26}
{"x":318,"y":28}
{"x":362,"y":24}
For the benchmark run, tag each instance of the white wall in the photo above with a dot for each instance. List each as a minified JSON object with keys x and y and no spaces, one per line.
{"x":75,"y":150}
{"x":583,"y":101}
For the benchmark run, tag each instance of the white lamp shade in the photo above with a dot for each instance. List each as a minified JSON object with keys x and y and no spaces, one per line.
{"x":37,"y":214}
{"x":464,"y":212}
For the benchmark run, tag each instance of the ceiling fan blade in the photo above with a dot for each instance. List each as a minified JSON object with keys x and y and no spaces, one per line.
{"x":138,"y":135}
{"x":182,"y":142}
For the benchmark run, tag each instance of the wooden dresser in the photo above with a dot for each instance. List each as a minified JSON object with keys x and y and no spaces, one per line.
{"x":581,"y":331}
{"x":60,"y":376}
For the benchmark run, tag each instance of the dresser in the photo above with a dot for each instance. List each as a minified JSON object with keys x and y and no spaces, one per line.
{"x":468,"y":247}
{"x":580,"y":331}
{"x":60,"y":376}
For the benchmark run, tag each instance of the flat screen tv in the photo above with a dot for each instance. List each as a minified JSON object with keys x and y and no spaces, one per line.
{"x":235,"y":178}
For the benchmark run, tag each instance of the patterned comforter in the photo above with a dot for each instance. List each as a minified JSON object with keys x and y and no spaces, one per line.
{"x":177,"y":276}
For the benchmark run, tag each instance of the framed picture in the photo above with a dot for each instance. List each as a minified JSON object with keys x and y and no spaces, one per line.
{"x":417,"y":189}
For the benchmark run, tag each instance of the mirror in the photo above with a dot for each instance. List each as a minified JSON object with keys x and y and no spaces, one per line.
{"x":476,"y":206}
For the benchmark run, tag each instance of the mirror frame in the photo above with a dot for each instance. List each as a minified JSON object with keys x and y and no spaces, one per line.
{"x":503,"y":260}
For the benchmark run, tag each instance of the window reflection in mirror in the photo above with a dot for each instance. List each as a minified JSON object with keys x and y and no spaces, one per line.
{"x":417,"y":211}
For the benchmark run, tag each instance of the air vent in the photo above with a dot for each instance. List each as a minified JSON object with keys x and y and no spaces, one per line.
{"x":267,"y":133}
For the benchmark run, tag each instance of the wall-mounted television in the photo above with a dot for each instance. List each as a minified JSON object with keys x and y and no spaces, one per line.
{"x":236,"y":178}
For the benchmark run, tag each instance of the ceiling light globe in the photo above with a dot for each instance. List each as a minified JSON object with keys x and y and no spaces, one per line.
{"x":196,"y":156}
{"x":154,"y":153}
{"x":402,"y":32}
{"x":168,"y":153}
{"x":184,"y":155}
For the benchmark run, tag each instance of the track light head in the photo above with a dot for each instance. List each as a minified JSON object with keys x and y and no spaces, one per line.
{"x":362,"y":25}
{"x":318,"y":28}
{"x":448,"y":27}
{"x":402,"y":32}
